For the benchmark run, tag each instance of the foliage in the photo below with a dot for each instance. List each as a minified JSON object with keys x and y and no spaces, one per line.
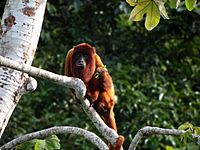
{"x":49,"y":143}
{"x":154,"y":9}
{"x":190,"y":4}
{"x":190,"y":129}
{"x":156,"y":74}
{"x":190,"y":146}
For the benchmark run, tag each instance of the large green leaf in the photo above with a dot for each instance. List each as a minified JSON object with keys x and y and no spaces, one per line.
{"x":149,"y":8}
{"x":190,"y":4}
{"x":153,"y":16}
{"x":139,"y":11}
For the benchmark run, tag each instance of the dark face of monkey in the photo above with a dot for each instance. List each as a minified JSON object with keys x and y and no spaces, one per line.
{"x":83,"y":64}
{"x":81,"y":60}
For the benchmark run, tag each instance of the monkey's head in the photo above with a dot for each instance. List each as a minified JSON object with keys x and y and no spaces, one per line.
{"x":83,"y":62}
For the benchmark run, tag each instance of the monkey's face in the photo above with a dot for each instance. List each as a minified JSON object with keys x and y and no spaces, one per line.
{"x":83,"y":64}
{"x":80,"y":60}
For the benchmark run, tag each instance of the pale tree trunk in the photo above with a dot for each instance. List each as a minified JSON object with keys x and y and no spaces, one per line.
{"x":19,"y":33}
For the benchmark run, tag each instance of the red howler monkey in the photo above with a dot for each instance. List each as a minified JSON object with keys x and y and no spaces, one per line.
{"x":83,"y":62}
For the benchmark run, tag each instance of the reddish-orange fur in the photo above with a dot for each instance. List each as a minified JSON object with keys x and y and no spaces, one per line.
{"x":100,"y":89}
{"x":104,"y":102}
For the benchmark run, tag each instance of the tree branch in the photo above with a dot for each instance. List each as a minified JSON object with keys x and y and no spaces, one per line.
{"x":69,"y":82}
{"x":56,"y":130}
{"x":29,"y":85}
{"x":148,"y":131}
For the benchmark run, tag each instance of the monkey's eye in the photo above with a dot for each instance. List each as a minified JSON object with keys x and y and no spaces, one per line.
{"x":77,"y":55}
{"x":85,"y":56}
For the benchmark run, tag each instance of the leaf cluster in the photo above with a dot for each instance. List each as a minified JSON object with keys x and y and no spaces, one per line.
{"x":154,"y":9}
{"x":49,"y":143}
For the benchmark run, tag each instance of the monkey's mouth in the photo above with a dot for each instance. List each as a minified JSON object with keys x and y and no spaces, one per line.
{"x":81,"y":66}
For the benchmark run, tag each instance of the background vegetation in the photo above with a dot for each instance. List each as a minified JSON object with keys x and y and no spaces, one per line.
{"x":156,"y":73}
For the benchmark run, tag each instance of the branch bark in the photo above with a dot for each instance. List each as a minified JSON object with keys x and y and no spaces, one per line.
{"x":69,"y":82}
{"x":56,"y":130}
{"x":148,"y":131}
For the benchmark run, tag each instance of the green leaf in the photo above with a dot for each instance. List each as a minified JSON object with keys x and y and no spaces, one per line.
{"x":162,"y":9}
{"x":152,"y":17}
{"x":151,"y":10}
{"x":196,"y":130}
{"x":190,"y":4}
{"x":168,"y":147}
{"x":185,"y":136}
{"x":26,"y":145}
{"x":52,"y":142}
{"x":51,"y":9}
{"x":174,"y":3}
{"x":136,"y":2}
{"x":131,"y":2}
{"x":186,"y":127}
{"x":39,"y":145}
{"x":189,"y":128}
{"x":138,"y":11}
{"x":49,"y":143}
